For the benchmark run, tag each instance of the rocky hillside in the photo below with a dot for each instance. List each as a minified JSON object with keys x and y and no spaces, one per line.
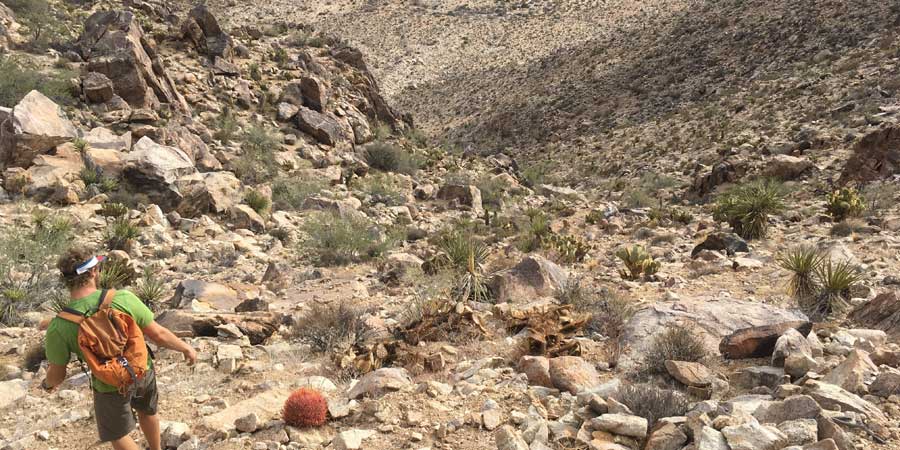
{"x":464,"y":225}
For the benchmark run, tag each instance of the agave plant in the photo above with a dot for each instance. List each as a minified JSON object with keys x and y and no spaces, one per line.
{"x":803,"y":262}
{"x":638,"y":263}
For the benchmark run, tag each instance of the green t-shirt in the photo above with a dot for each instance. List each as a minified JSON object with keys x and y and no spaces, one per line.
{"x":62,"y":336}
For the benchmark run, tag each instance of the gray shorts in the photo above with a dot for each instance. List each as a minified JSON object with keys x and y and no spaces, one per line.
{"x":113,"y":411}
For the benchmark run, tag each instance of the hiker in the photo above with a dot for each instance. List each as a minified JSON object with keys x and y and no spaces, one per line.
{"x":106,"y":330}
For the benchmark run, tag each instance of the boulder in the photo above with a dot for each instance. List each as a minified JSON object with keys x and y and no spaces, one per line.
{"x":800,"y":431}
{"x":537,"y":369}
{"x":173,"y":434}
{"x":690,"y":373}
{"x":314,"y":93}
{"x":56,"y":178}
{"x":666,"y":436}
{"x":830,"y":396}
{"x":875,"y":156}
{"x":152,"y":168}
{"x":785,"y":167}
{"x":824,"y":444}
{"x":322,"y":126}
{"x":573,"y":374}
{"x":794,"y":352}
{"x":882,"y":312}
{"x":243,"y":216}
{"x":351,"y":439}
{"x":532,"y":278}
{"x":507,"y":438}
{"x":713,"y":318}
{"x":258,"y":327}
{"x":97,"y":87}
{"x":621,"y":424}
{"x":464,"y":195}
{"x":854,"y":373}
{"x":722,"y":172}
{"x":753,"y":436}
{"x":759,"y":341}
{"x":710,"y":439}
{"x":105,"y":139}
{"x":12,"y":392}
{"x":202,"y":29}
{"x":204,"y":294}
{"x":114,"y":45}
{"x":795,"y":407}
{"x":33,"y":127}
{"x":754,"y":376}
{"x":886,"y":384}
{"x":379,"y":382}
{"x":191,"y":144}
{"x":730,"y":243}
{"x":211,"y":192}
{"x":247,"y":424}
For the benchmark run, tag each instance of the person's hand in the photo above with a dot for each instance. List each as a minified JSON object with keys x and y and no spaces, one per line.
{"x":190,"y":355}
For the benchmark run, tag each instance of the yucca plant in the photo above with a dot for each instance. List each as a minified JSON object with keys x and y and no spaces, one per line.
{"x":114,"y":274}
{"x":845,"y":202}
{"x":113,"y":209}
{"x":119,"y":232}
{"x":802,"y":262}
{"x":747,"y":207}
{"x":536,"y":230}
{"x":150,"y":289}
{"x":465,"y":256}
{"x":89,"y":175}
{"x":836,"y":279}
{"x":638,"y":263}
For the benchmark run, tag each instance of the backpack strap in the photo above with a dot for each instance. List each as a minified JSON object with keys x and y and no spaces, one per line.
{"x":76,"y":317}
{"x":71,"y":315}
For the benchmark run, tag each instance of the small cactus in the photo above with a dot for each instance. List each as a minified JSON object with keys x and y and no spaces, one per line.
{"x":305,"y":408}
{"x":845,"y":202}
{"x":638,"y":263}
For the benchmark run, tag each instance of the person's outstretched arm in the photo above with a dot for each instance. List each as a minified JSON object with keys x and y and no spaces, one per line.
{"x":162,"y":337}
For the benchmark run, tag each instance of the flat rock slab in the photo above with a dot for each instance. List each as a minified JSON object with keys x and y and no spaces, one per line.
{"x":266,"y":406}
{"x":712,"y":319}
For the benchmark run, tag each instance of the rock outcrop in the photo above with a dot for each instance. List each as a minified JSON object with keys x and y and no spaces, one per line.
{"x":35,"y":126}
{"x":876,"y":156}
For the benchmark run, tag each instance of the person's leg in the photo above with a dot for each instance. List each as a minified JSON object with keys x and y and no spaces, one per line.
{"x":150,"y":427}
{"x":124,"y":443}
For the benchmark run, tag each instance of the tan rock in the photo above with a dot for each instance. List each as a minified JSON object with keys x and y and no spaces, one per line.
{"x":573,"y":374}
{"x":690,"y":373}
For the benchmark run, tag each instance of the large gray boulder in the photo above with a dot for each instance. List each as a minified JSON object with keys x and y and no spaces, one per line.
{"x":322,"y":126}
{"x":113,"y":44}
{"x":203,"y":30}
{"x":33,"y":127}
{"x":211,"y":192}
{"x":533,"y":278}
{"x":153,"y":169}
{"x":712,"y":320}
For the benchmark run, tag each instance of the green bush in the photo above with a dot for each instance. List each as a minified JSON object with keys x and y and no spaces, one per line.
{"x":638,"y":263}
{"x":676,"y":343}
{"x":802,"y":262}
{"x":493,"y":192}
{"x":464,"y":256}
{"x":609,"y":311}
{"x":257,"y":201}
{"x":289,"y":193}
{"x":110,"y":209}
{"x":845,"y":202}
{"x":537,"y":229}
{"x":381,"y":188}
{"x":747,"y":207}
{"x":836,"y":279}
{"x":17,"y":80}
{"x":115,"y":274}
{"x":391,"y":158}
{"x":333,"y":240}
{"x":28,"y":278}
{"x":44,"y":24}
{"x":226,"y":126}
{"x":257,"y":161}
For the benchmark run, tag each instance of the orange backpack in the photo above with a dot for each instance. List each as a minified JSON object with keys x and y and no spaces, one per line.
{"x":111,"y":341}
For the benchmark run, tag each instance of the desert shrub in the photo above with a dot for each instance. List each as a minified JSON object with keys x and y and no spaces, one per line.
{"x":119,"y":231}
{"x":255,"y":73}
{"x":280,"y":56}
{"x":381,"y":132}
{"x":334,"y":240}
{"x":493,"y":192}
{"x":638,"y":263}
{"x":150,"y":289}
{"x":881,"y":195}
{"x":110,"y":209}
{"x":536,"y":230}
{"x":290,"y":193}
{"x":305,"y":408}
{"x":114,"y":274}
{"x":609,"y":311}
{"x":17,"y":80}
{"x":257,"y":162}
{"x":391,"y":158}
{"x":566,"y":248}
{"x":382,"y":188}
{"x":847,"y":227}
{"x":836,"y":279}
{"x":845,"y":202}
{"x":257,"y":201}
{"x":676,"y":343}
{"x":464,"y":257}
{"x":27,"y":256}
{"x":328,"y":327}
{"x":651,"y":402}
{"x":226,"y":126}
{"x":802,"y":262}
{"x":92,"y":176}
{"x":416,"y":136}
{"x":534,"y":175}
{"x":747,"y":207}
{"x":44,"y":23}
